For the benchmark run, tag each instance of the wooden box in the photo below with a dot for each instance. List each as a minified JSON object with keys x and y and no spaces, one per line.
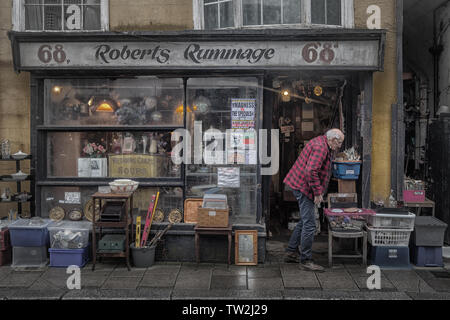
{"x":208,"y":217}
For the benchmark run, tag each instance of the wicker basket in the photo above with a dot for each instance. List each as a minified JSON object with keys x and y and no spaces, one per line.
{"x":191,"y":209}
{"x":208,"y":217}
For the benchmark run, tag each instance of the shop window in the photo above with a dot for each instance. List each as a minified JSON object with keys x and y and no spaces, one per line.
{"x":60,"y":15}
{"x":93,"y":154}
{"x":79,"y":198}
{"x":141,"y":101}
{"x":227,"y":167}
{"x":260,"y":13}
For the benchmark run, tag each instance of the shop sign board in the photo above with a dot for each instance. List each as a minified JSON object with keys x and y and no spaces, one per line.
{"x":136,"y":166}
{"x":196,"y":54}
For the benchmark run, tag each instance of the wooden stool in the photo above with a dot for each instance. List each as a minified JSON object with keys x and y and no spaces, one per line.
{"x":226,"y":231}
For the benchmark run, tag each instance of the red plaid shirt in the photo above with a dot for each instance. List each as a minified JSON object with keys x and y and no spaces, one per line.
{"x":311,"y":171}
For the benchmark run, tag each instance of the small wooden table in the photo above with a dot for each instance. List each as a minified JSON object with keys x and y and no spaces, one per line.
{"x":426,"y":204}
{"x":127,"y":197}
{"x":226,"y":231}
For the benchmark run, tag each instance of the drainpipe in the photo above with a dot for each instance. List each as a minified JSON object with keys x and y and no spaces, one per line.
{"x":436,"y":51}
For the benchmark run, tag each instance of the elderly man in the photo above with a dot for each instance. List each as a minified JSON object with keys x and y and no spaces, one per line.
{"x":308,"y":178}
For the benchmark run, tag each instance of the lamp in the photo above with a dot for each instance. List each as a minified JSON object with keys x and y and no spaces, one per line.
{"x":103,"y":105}
{"x":285,"y":95}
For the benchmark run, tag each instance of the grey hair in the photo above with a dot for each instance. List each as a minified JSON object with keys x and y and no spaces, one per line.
{"x":333,"y":134}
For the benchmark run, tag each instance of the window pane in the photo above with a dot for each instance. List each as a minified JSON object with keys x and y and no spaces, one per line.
{"x":33,"y":15}
{"x":52,"y":18}
{"x":291,"y":11}
{"x":91,"y":16}
{"x":226,"y":14}
{"x":141,"y":101}
{"x":318,"y":11}
{"x":209,"y":1}
{"x":211,"y":19}
{"x":213,"y":98}
{"x":271,"y":11}
{"x":334,"y":12}
{"x":251,"y":10}
{"x":93,"y":154}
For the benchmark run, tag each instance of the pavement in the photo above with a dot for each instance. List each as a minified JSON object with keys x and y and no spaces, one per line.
{"x":181,"y":281}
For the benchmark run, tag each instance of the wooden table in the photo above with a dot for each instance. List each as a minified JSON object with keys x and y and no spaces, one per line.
{"x":426,"y":204}
{"x":125,"y":223}
{"x":226,"y":231}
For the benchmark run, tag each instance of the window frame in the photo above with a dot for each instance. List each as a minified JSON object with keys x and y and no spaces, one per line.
{"x":18,"y":18}
{"x":347,"y":17}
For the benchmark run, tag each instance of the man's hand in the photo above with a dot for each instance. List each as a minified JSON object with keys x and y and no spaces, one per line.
{"x":318,"y":199}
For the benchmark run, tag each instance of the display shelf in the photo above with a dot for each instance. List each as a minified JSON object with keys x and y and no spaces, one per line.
{"x":19,"y":184}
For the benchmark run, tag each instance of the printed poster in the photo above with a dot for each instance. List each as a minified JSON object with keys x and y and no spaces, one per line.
{"x":243,"y":113}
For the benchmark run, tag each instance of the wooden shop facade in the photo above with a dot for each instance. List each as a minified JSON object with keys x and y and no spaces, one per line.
{"x":113,"y":105}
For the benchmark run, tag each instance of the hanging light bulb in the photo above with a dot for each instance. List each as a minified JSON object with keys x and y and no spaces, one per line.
{"x":285,"y":96}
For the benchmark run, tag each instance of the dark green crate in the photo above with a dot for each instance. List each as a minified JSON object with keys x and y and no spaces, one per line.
{"x":112,"y":242}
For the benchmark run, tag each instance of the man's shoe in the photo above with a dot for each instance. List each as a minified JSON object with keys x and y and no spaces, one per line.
{"x":311,"y":266}
{"x":291,"y":257}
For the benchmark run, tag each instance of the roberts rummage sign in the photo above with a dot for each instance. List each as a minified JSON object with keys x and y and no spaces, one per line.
{"x":362,"y":54}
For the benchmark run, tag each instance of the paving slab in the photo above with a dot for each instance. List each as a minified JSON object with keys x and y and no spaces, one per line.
{"x":301,"y":279}
{"x":194,"y":279}
{"x":49,"y":284}
{"x":124,"y":272}
{"x":261,"y":294}
{"x":213,"y":294}
{"x":229,"y":282}
{"x":121,"y":283}
{"x":92,"y":281}
{"x":266,"y":272}
{"x":103,"y":294}
{"x":83,"y":294}
{"x":386,"y":285}
{"x":158,"y":280}
{"x":438,"y":284}
{"x":295,"y":294}
{"x":223,"y":270}
{"x":337,"y":280}
{"x":20,"y":279}
{"x":163,"y":269}
{"x":27,"y":294}
{"x":407,"y":280}
{"x":265,"y":283}
{"x":429,"y":295}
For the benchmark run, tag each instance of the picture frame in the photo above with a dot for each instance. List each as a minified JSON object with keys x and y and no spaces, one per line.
{"x":246,"y":247}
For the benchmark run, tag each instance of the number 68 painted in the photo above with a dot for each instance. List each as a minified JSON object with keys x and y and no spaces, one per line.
{"x":46,"y":53}
{"x":311,"y":53}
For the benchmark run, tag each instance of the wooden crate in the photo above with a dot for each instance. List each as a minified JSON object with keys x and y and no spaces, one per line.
{"x":207,"y":217}
{"x":191,"y":209}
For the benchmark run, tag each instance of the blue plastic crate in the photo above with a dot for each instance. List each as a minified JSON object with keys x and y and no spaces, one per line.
{"x":427,"y":256}
{"x":29,"y":233}
{"x":69,"y":257}
{"x":346,"y":170}
{"x":390,"y":257}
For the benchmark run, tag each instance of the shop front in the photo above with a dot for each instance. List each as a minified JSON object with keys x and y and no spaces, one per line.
{"x":191,"y":113}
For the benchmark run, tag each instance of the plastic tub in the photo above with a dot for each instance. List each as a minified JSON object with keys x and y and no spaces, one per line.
{"x":389,"y":237}
{"x":29,"y":257}
{"x":390,"y":257}
{"x":427,"y":256}
{"x":69,"y":257}
{"x":414,"y":195}
{"x":29,"y":232}
{"x":389,"y":220}
{"x":428,"y":231}
{"x":143,"y":257}
{"x":69,"y":234}
{"x":346,"y":170}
